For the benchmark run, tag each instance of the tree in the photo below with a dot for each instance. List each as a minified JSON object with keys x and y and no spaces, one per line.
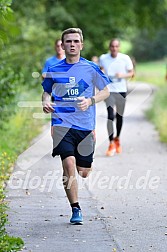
{"x":7,"y":23}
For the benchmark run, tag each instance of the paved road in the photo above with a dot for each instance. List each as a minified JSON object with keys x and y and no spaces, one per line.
{"x":123,"y":201}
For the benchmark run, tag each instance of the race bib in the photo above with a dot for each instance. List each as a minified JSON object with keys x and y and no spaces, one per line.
{"x":69,"y":91}
{"x":72,"y":91}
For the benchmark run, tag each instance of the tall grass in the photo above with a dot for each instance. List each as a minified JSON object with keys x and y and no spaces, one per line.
{"x":155,"y":73}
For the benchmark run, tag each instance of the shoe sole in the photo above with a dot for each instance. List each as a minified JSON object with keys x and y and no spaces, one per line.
{"x":76,"y":223}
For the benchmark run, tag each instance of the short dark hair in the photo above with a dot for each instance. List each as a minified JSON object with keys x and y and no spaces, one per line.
{"x":72,"y":30}
{"x":112,"y":40}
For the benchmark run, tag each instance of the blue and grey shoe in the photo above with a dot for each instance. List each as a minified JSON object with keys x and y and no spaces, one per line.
{"x":76,"y":218}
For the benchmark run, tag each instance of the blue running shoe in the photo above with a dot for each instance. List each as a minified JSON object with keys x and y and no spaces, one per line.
{"x":76,"y":218}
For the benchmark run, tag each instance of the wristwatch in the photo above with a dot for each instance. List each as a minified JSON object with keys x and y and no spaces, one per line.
{"x":92,"y":101}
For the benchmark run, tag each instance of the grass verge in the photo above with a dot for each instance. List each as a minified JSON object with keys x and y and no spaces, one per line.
{"x":16,"y":135}
{"x":152,"y":72}
{"x":158,"y":113}
{"x":155,"y":73}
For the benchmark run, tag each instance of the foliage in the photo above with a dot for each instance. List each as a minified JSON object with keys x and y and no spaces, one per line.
{"x":100,"y":21}
{"x":9,"y":88}
{"x":7,"y":23}
{"x":150,"y":14}
{"x":10,"y":243}
{"x":146,"y":47}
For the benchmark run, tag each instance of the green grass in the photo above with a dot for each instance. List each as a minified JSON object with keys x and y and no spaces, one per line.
{"x":158,"y":113}
{"x":18,"y":132}
{"x":152,"y":72}
{"x":155,"y":74}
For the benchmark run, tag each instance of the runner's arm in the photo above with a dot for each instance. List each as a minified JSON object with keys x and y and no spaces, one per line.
{"x":46,"y":103}
{"x":100,"y":96}
{"x":127,"y":75}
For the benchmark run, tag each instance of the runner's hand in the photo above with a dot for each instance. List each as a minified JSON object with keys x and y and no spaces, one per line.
{"x":48,"y":107}
{"x":84,"y":103}
{"x":119,"y":75}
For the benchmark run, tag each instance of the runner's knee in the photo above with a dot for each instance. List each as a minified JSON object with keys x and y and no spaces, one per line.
{"x":69,"y":165}
{"x":84,"y":172}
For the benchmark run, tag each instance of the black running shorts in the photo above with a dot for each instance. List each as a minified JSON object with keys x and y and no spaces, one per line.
{"x":72,"y":142}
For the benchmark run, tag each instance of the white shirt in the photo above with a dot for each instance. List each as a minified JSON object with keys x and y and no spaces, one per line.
{"x":121,"y":64}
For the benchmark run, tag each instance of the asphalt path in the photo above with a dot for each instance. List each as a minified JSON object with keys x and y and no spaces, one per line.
{"x":123,"y":200}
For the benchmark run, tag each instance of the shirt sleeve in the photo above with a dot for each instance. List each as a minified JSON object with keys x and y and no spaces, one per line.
{"x":100,"y":80}
{"x":129,"y":64}
{"x":45,"y":68}
{"x":48,"y":82}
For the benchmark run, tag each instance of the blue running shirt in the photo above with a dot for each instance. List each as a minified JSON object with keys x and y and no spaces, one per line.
{"x":49,"y":62}
{"x":66,"y":82}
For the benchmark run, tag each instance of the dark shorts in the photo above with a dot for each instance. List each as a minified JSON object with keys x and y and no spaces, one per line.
{"x":72,"y":142}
